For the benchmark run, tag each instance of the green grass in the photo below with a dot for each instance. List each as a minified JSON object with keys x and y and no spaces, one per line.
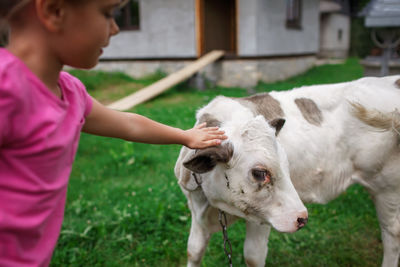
{"x":324,"y":74}
{"x":125,"y":207}
{"x":111,"y":86}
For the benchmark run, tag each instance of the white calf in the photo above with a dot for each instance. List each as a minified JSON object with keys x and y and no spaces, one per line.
{"x":333,"y":136}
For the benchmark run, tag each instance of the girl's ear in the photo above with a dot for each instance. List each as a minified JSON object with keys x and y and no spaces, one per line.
{"x":51,"y":13}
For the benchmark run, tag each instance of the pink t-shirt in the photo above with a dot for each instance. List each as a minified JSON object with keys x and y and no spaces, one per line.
{"x":39,"y":135}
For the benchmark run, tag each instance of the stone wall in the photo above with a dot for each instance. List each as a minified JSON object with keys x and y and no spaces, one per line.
{"x":229,"y":73}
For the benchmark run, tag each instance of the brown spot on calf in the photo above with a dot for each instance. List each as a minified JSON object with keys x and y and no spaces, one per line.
{"x":263,"y":104}
{"x":210,"y":120}
{"x":309,"y":110}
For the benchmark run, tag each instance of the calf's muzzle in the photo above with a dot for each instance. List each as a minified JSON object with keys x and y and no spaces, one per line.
{"x":301,"y":222}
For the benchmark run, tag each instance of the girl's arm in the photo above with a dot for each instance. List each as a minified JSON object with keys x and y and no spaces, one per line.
{"x":133,"y":127}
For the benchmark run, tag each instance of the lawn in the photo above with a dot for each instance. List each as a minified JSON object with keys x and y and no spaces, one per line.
{"x":125,"y":207}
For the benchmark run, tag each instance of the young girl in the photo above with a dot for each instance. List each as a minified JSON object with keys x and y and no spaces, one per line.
{"x":43,"y":110}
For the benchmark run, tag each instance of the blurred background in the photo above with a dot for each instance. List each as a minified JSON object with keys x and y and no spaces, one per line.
{"x":263,"y":40}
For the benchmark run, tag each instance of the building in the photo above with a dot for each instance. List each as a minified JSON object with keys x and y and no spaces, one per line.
{"x":264,"y":40}
{"x":334,"y":28}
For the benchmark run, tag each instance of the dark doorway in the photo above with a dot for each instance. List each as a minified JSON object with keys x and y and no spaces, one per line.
{"x":219,"y":26}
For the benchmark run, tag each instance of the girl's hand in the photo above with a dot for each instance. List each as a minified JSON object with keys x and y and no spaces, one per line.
{"x":201,"y":136}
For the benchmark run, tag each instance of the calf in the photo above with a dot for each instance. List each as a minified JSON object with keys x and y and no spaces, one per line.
{"x":319,"y":139}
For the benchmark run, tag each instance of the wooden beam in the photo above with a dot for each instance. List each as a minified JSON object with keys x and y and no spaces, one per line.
{"x":166,"y":83}
{"x":200,"y":27}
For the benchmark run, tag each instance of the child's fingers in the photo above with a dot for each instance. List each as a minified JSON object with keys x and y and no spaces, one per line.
{"x":215,"y":139}
{"x":216,"y":134}
{"x":212,"y":142}
{"x":204,"y":127}
{"x":216,"y":142}
{"x":207,"y":136}
{"x":211,"y":128}
{"x":201,"y":125}
{"x":220,"y":136}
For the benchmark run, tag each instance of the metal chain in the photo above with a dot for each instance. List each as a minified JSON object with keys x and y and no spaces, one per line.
{"x":227,"y":244}
{"x":223,"y":222}
{"x":198,"y":182}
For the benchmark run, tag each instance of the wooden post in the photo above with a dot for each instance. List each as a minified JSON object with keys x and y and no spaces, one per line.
{"x":166,"y":83}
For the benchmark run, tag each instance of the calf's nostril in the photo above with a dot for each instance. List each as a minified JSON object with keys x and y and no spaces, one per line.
{"x":301,"y":222}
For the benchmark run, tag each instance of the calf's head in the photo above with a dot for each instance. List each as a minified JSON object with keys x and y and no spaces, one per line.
{"x":248,"y":175}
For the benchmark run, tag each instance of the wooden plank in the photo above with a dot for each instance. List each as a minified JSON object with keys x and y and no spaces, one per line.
{"x":166,"y":83}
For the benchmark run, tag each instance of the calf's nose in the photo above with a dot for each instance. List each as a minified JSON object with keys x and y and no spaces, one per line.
{"x":301,"y":222}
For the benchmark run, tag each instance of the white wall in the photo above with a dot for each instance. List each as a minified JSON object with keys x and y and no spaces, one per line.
{"x":266,"y":34}
{"x":167,"y":29}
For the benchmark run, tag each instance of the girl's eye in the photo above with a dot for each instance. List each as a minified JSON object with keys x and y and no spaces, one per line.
{"x":112,"y":13}
{"x":109,"y":14}
{"x":116,"y":12}
{"x":262,"y":176}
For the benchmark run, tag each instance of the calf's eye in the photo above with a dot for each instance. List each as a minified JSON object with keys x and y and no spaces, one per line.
{"x":262,"y":176}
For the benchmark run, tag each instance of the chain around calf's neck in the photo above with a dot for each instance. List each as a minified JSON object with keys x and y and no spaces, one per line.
{"x":227,"y":244}
{"x":223,"y":222}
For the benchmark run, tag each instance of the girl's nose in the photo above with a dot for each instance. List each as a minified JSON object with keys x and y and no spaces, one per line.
{"x":114,"y":28}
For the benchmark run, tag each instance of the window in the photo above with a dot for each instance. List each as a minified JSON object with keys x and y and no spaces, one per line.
{"x":127,"y":18}
{"x":340,"y":35}
{"x":293,"y":14}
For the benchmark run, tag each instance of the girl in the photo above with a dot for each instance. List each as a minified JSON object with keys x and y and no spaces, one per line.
{"x":43,"y":110}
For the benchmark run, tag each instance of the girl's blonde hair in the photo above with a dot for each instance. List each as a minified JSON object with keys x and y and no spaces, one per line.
{"x":7,"y":9}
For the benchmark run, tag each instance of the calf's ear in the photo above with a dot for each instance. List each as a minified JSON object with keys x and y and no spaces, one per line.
{"x":204,"y":160}
{"x":277,"y":124}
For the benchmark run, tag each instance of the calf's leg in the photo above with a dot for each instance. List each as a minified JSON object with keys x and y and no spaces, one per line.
{"x":256,"y":244}
{"x":197,"y":243}
{"x":388,"y":209}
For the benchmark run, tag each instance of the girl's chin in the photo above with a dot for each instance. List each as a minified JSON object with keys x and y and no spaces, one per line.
{"x":85,"y":65}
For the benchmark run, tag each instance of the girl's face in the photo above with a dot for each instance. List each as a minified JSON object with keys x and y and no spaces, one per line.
{"x":87,"y":29}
